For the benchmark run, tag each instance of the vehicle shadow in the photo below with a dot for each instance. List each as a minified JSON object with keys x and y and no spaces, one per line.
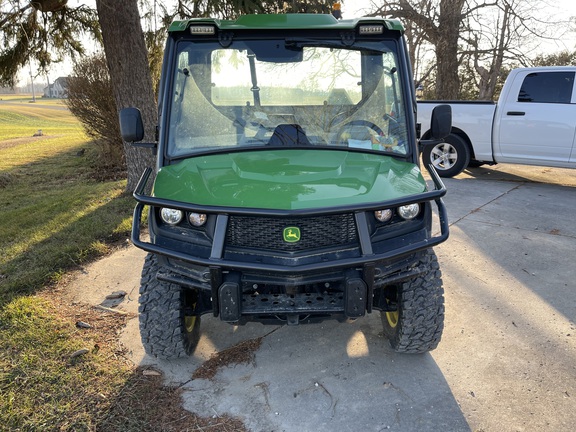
{"x":527,"y":229}
{"x":520,"y":173}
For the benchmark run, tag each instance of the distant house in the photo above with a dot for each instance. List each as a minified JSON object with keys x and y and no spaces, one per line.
{"x":58,"y":89}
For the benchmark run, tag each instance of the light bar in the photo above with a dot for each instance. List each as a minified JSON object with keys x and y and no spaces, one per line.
{"x":202,"y":30}
{"x":371,"y":29}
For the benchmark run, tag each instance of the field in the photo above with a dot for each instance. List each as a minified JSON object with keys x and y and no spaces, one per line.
{"x":56,"y":216}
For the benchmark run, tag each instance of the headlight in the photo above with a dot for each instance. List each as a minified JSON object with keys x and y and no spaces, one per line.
{"x":197,"y":219}
{"x":409,"y":211}
{"x":171,"y":216}
{"x":383,"y":215}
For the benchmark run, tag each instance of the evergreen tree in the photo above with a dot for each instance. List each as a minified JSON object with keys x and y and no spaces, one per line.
{"x":43,"y":31}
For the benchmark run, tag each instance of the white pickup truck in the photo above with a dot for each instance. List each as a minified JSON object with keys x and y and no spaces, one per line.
{"x":533,"y":123}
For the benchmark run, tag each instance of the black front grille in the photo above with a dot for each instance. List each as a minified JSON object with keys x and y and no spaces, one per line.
{"x":268,"y":232}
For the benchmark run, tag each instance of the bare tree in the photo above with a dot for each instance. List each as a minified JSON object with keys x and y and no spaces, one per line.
{"x":489,"y":76}
{"x":484,"y":33}
{"x":420,"y":53}
{"x":439,"y":26}
{"x":90,"y":100}
{"x":504,"y":34}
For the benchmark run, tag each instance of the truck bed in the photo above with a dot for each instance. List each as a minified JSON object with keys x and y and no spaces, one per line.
{"x":471,"y":120}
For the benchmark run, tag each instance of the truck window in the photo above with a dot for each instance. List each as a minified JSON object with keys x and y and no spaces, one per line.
{"x":547,"y":87}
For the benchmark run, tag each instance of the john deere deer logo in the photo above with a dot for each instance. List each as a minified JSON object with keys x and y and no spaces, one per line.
{"x":291,"y":234}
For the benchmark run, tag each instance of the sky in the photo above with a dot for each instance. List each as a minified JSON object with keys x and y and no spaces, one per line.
{"x":559,"y":9}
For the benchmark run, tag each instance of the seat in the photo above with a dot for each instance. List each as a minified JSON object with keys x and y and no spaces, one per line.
{"x":288,"y":135}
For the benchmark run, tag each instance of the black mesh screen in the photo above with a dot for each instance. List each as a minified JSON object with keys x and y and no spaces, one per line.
{"x":267,"y":232}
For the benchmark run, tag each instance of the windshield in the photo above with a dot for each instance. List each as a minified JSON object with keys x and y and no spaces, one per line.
{"x":279,"y":93}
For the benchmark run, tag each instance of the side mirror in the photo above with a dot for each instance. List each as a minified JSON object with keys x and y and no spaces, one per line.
{"x":131,"y":126}
{"x":441,"y":122}
{"x":440,"y":126}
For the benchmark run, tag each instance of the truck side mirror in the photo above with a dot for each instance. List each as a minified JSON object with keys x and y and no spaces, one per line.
{"x":131,"y":126}
{"x":441,"y":122}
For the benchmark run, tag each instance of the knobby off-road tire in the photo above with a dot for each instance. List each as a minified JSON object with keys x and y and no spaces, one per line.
{"x":168,"y":327}
{"x":416,"y":327}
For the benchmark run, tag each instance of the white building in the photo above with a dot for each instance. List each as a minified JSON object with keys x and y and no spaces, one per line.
{"x":58,"y":89}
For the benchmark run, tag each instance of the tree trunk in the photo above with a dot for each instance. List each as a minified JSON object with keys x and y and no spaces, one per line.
{"x":447,"y":81}
{"x":127,"y":60}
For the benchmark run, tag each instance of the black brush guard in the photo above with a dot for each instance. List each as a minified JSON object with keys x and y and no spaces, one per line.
{"x":227,"y":297}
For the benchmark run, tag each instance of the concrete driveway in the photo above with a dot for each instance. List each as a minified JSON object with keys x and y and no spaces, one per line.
{"x":507,"y":360}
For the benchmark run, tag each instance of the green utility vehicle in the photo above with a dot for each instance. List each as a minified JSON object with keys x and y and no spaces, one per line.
{"x":287,"y":187}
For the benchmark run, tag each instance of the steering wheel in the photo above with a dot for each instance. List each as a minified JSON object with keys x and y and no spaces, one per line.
{"x":259,"y":125}
{"x":341,"y":136}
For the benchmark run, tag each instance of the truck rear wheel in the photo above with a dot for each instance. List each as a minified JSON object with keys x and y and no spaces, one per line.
{"x":417,"y":323}
{"x":449,"y":158}
{"x":168,"y":326}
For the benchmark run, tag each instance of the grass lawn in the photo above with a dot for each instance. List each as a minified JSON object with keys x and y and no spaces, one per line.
{"x":55,"y":216}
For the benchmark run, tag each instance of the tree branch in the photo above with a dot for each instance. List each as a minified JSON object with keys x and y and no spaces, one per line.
{"x":11,"y":16}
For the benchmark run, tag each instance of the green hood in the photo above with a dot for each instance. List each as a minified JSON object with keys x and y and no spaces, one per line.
{"x":288,"y":179}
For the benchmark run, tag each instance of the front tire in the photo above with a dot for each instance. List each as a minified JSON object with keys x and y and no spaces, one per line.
{"x":169,"y":327}
{"x":449,"y":158}
{"x":416,"y":324}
